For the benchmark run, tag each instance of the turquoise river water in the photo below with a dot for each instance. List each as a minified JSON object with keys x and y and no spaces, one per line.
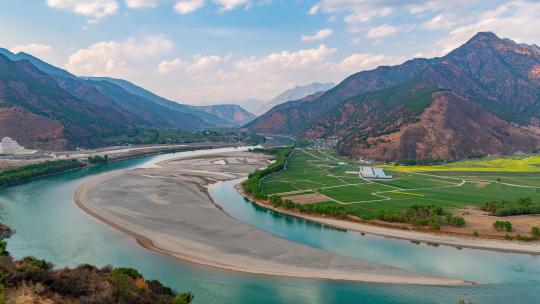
{"x":49,"y":225}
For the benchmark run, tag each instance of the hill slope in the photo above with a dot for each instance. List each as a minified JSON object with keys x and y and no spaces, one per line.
{"x":42,"y":106}
{"x":37,"y":112}
{"x":420,"y":109}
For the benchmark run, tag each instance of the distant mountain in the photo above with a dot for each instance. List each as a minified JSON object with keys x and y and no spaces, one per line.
{"x":207,"y":117}
{"x":42,"y":106}
{"x":482,"y":98}
{"x":295,"y":93}
{"x":37,"y":112}
{"x":38,"y":63}
{"x":251,"y":105}
{"x":234,"y":114}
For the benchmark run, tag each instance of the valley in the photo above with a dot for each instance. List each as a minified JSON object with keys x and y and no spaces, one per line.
{"x":320,"y":183}
{"x":269,"y":152}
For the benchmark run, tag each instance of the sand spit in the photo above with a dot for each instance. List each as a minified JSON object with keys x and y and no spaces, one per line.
{"x":167,"y":209}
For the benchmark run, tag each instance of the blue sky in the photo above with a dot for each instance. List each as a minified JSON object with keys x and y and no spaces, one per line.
{"x":212,"y":50}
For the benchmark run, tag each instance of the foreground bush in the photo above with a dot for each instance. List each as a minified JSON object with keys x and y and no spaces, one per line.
{"x":32,"y":280}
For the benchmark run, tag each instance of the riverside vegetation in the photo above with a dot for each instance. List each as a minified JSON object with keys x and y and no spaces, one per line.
{"x":24,"y":173}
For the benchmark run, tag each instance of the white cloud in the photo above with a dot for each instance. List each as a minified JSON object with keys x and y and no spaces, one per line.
{"x":314,"y":10}
{"x":382,"y":31}
{"x":227,"y":5}
{"x":165,"y":66}
{"x":188,"y":6}
{"x":116,"y":58}
{"x":141,"y":3}
{"x":517,"y":20}
{"x":320,"y":35}
{"x":286,"y":60}
{"x":441,"y":21}
{"x":365,"y":61}
{"x":90,"y":8}
{"x":219,"y":77}
{"x":202,"y":64}
{"x":39,"y":50}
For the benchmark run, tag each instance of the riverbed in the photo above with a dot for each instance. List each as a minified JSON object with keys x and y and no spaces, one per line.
{"x":49,"y":225}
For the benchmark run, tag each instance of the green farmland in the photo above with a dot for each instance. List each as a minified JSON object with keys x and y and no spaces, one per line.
{"x":469,"y":183}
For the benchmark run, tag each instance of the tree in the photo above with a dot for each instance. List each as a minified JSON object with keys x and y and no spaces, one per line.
{"x":502,"y":226}
{"x":3,"y":248}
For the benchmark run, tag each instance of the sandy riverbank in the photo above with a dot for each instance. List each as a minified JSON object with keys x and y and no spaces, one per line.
{"x":167,"y":209}
{"x":411,"y":235}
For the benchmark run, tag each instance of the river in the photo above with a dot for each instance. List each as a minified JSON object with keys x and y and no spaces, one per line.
{"x":49,"y":225}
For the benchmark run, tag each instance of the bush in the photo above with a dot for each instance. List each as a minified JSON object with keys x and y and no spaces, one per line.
{"x":502,"y":226}
{"x":422,"y":215}
{"x":3,"y":248}
{"x":184,"y":298}
{"x":457,"y":221}
{"x":522,"y":206}
{"x":98,"y":159}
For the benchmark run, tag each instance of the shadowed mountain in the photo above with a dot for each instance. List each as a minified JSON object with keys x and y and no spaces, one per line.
{"x":43,"y":106}
{"x":482,"y":98}
{"x":207,"y":117}
{"x":38,"y":113}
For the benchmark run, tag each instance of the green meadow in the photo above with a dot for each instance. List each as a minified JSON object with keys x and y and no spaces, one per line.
{"x":467,"y":183}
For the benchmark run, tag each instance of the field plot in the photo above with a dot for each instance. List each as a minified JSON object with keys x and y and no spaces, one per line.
{"x":321,"y":174}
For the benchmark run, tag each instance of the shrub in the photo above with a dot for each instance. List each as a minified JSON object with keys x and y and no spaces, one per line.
{"x":475,"y":234}
{"x":184,"y":298}
{"x":97,"y":159}
{"x":3,"y":248}
{"x":502,"y":226}
{"x":422,"y":215}
{"x":132,"y":273}
{"x":523,"y":206}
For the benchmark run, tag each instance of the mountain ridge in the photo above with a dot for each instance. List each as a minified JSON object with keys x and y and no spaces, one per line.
{"x":497,"y":79}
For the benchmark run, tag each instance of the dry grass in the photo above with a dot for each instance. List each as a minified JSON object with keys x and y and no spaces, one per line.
{"x":310,"y":198}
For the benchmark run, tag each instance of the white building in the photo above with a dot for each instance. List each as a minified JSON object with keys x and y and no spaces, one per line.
{"x":10,"y":147}
{"x":373,"y":173}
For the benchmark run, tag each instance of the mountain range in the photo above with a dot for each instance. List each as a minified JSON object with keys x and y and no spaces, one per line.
{"x":295,"y":93}
{"x":482,"y":98}
{"x":46,"y":107}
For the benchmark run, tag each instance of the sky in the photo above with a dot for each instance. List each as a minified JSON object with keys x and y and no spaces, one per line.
{"x":208,"y":51}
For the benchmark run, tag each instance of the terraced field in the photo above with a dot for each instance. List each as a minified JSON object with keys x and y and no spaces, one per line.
{"x":468,"y":183}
